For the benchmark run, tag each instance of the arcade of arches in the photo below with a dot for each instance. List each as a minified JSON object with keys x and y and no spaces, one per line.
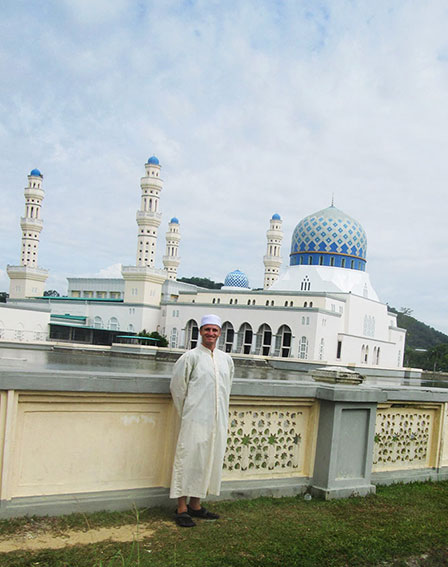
{"x":246,"y":340}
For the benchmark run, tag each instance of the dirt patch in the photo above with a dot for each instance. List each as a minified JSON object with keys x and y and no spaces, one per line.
{"x":33,"y":541}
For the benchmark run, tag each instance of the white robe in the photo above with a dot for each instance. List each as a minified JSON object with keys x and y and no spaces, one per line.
{"x":200,"y":388}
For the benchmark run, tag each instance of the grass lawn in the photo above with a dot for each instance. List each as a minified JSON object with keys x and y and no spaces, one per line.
{"x":402,"y":525}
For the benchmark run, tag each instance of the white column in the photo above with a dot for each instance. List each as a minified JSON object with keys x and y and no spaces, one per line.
{"x":27,"y":279}
{"x":149,"y":217}
{"x":32,"y":224}
{"x":272,"y":260}
{"x":171,"y":259}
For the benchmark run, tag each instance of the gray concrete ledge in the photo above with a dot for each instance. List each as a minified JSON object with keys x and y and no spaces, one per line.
{"x":276,"y":488}
{"x":123,"y":383}
{"x":411,"y":475}
{"x":333,"y":493}
{"x":60,"y":504}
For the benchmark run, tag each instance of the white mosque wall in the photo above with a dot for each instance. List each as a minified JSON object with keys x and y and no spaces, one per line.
{"x":317,"y":323}
{"x":99,"y":288}
{"x":23,"y":324}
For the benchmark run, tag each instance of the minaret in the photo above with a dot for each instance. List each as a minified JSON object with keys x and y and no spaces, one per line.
{"x":27,"y":280}
{"x":143,"y":282}
{"x":171,"y":259}
{"x":272,"y":260}
{"x":149,"y":217}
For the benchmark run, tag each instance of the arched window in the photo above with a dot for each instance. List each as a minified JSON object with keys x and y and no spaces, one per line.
{"x":113,"y":324}
{"x":283,"y":340}
{"x":305,"y":285}
{"x":311,"y":304}
{"x":191,"y":334}
{"x":263,"y":340}
{"x":225,"y":341}
{"x":173,"y":338}
{"x":131,"y":328}
{"x":245,"y":336}
{"x":98,"y":322}
{"x":303,"y":348}
{"x":19,"y":332}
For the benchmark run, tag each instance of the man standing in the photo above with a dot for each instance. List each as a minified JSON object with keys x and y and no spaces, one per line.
{"x":200,"y":388}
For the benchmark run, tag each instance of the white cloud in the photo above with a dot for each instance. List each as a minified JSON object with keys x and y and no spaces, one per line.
{"x":253,"y":108}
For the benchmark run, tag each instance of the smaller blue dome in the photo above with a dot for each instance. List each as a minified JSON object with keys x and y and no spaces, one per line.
{"x":153,"y":160}
{"x":276,"y":217}
{"x":36,"y":173}
{"x":236,"y":279}
{"x":175,"y":220}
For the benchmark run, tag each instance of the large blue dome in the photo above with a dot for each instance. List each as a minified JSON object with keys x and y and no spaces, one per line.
{"x":236,"y":279}
{"x":175,"y":220}
{"x":329,"y":237}
{"x":276,"y":216}
{"x":153,"y":160}
{"x":36,"y":173}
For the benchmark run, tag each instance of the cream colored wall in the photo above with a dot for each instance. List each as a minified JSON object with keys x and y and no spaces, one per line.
{"x":409,"y":436}
{"x":69,"y":443}
{"x":64,"y":443}
{"x":270,"y":438}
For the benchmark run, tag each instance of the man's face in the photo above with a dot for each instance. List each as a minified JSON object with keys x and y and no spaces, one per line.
{"x":210,"y":334}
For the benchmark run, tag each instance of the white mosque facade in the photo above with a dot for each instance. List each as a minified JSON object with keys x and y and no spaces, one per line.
{"x":321,"y":309}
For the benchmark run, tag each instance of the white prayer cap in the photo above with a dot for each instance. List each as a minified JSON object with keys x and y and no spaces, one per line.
{"x":211,"y":320}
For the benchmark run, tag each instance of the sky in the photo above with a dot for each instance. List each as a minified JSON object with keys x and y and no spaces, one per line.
{"x":253,"y":107}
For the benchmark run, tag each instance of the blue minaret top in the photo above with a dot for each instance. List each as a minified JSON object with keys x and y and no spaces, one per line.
{"x":175,"y":220}
{"x":153,"y":160}
{"x":36,"y":173}
{"x":276,"y":217}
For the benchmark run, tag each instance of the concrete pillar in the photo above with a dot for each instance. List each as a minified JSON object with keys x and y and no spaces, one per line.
{"x":344,"y":449}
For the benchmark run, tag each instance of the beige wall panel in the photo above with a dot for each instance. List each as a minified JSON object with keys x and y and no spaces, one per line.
{"x":407,"y":436}
{"x":89,"y":445}
{"x":270,"y":439}
{"x":444,"y":442}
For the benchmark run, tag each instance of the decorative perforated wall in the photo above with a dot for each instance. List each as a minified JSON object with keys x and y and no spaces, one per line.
{"x":403,"y":437}
{"x":268,"y":441}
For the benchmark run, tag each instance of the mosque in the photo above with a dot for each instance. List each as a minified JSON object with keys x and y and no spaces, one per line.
{"x":321,"y":309}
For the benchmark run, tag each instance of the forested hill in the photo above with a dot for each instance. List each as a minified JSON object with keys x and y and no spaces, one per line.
{"x":419,"y":335}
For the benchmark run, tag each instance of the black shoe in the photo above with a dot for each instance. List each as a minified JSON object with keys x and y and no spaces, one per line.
{"x":202,"y":513}
{"x":184,"y":520}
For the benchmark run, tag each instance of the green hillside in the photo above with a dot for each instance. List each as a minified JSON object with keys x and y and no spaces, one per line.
{"x":426,"y":347}
{"x":419,"y":335}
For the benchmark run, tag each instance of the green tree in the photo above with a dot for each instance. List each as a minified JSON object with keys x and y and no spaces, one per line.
{"x":162,"y":341}
{"x":51,"y":293}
